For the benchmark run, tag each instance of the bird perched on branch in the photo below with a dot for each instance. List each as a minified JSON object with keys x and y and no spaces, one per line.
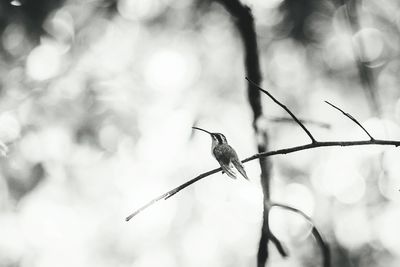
{"x":225,"y":154}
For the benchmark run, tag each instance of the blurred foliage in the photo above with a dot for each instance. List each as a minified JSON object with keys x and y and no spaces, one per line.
{"x":97,"y":101}
{"x":30,"y":14}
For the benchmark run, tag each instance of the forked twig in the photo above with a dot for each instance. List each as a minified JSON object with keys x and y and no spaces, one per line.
{"x":285,"y":108}
{"x":318,"y":237}
{"x":351,"y":118}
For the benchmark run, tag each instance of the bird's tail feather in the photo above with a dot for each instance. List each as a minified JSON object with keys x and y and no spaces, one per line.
{"x":228,"y":171}
{"x":238,"y":165}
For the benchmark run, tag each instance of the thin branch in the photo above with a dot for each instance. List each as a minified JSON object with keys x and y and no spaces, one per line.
{"x":318,"y":237}
{"x":172,"y":192}
{"x":268,"y":154}
{"x":351,"y":118}
{"x":293,"y":209}
{"x":323,"y":144}
{"x":286,"y":109}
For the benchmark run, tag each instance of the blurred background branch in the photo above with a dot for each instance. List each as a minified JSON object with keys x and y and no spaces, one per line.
{"x":278,"y":119}
{"x":326,"y":256}
{"x":245,"y":24}
{"x":366,"y":74}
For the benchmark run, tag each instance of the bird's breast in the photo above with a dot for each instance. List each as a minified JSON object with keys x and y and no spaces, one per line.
{"x":223,"y":153}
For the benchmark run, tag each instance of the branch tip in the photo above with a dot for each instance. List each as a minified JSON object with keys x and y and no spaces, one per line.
{"x":348,"y":115}
{"x":281,"y":249}
{"x":313,"y":141}
{"x":172,"y":192}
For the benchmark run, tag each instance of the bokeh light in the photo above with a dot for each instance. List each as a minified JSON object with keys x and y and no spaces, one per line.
{"x":10,"y":128}
{"x":352,"y":228}
{"x":386,"y":226}
{"x":13,"y":39}
{"x":170,"y":69}
{"x":15,"y":3}
{"x":370,"y":44}
{"x":141,"y":9}
{"x":60,"y":26}
{"x":44,"y":62}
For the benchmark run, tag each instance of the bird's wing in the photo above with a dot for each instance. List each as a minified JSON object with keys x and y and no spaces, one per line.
{"x":239,"y":166}
{"x":222,"y":153}
{"x":228,"y":170}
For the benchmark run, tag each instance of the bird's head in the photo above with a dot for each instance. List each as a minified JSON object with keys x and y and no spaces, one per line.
{"x":217,"y":138}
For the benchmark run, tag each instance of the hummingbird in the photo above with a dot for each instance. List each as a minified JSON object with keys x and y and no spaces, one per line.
{"x":225,"y":154}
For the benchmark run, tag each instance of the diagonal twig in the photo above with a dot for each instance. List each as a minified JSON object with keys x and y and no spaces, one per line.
{"x":286,"y":109}
{"x":318,"y":237}
{"x":172,"y":192}
{"x":351,"y":118}
{"x":283,"y":151}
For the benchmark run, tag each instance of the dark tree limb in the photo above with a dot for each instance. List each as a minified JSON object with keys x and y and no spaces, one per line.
{"x":245,"y":24}
{"x":326,"y":256}
{"x":244,"y":21}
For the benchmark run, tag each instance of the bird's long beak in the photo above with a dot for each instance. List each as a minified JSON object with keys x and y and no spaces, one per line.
{"x":196,"y":128}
